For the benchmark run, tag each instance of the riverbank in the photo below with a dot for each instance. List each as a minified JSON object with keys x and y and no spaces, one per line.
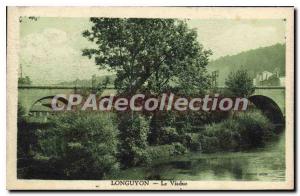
{"x":264,"y":164}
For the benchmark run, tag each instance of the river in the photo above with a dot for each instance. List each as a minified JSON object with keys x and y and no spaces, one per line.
{"x":265,"y":164}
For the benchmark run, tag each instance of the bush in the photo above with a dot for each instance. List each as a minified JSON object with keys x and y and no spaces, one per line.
{"x":193,"y":141}
{"x":160,"y":123}
{"x":160,"y":151}
{"x":165,"y":151}
{"x":26,"y":136}
{"x":255,"y":129}
{"x":170,"y":127}
{"x":20,"y":114}
{"x":221,"y":136}
{"x":240,"y":84}
{"x":80,"y":145}
{"x":179,"y":148}
{"x":209,"y":144}
{"x":167,"y":135}
{"x":244,"y":131}
{"x":134,"y":130}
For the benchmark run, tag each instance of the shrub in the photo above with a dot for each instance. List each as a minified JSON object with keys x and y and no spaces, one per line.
{"x":20,"y":114}
{"x":22,"y":146}
{"x":165,"y":151}
{"x":194,"y":141}
{"x":255,"y":129}
{"x":240,"y":84}
{"x":160,"y":123}
{"x":209,"y":144}
{"x":221,"y":136}
{"x":26,"y":136}
{"x":167,"y":135}
{"x":160,"y":151}
{"x":244,"y":131}
{"x":80,"y":145}
{"x":179,"y":148}
{"x":134,"y":130}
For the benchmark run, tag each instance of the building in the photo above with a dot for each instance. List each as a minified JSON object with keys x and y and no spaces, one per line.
{"x":267,"y":78}
{"x":282,"y":81}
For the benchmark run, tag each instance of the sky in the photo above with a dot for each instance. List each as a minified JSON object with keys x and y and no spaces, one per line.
{"x":50,"y":48}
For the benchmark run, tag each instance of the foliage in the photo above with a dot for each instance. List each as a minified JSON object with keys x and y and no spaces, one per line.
{"x":165,"y":151}
{"x":134,"y":129}
{"x":80,"y":145}
{"x":193,"y":141}
{"x":240,"y":84}
{"x":25,"y":136}
{"x":246,"y":130}
{"x":169,"y":135}
{"x":169,"y":127}
{"x":24,"y":81}
{"x":101,"y":86}
{"x":27,"y":144}
{"x":179,"y":148}
{"x":148,"y":53}
{"x":160,"y":124}
{"x":255,"y":129}
{"x":160,"y":151}
{"x":221,"y":136}
{"x":20,"y":113}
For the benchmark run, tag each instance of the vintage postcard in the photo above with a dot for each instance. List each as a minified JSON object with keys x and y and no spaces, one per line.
{"x":150,"y":98}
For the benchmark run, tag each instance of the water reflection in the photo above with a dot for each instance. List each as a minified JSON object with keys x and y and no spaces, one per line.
{"x":267,"y":164}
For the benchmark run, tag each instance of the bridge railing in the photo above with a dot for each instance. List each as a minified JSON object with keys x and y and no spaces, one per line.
{"x":257,"y":87}
{"x":88,"y":87}
{"x":57,"y":87}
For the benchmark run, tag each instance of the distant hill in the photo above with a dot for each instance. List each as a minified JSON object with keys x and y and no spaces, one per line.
{"x":269,"y":58}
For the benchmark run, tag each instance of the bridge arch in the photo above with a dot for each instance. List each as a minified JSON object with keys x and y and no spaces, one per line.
{"x":29,"y":96}
{"x":42,"y":106}
{"x":270,"y":108}
{"x":276,"y":93}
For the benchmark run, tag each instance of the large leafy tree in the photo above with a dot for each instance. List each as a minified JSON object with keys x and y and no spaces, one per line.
{"x":148,"y":53}
{"x":240,"y":83}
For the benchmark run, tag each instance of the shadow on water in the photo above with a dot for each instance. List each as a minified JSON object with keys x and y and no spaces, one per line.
{"x":266,"y":164}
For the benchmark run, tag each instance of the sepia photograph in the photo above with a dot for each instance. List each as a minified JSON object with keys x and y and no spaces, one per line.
{"x":141,"y":98}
